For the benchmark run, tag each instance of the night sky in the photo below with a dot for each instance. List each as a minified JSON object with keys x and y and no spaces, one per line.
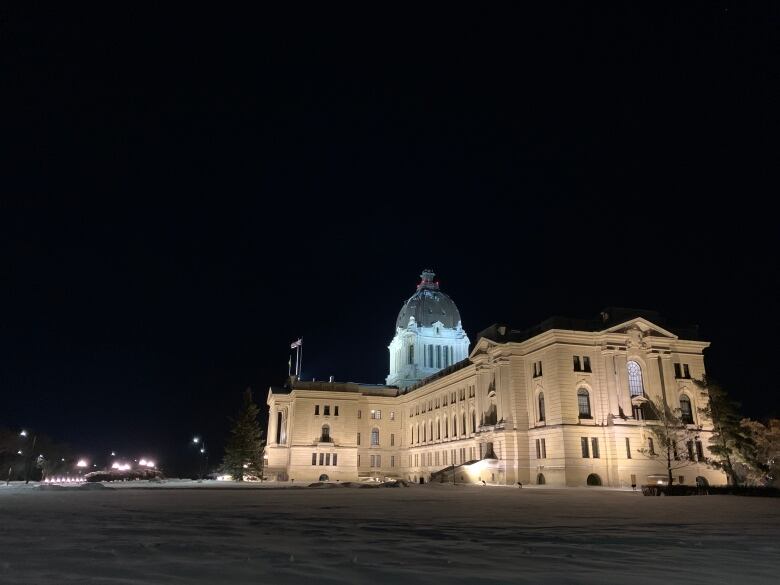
{"x":185,"y":194}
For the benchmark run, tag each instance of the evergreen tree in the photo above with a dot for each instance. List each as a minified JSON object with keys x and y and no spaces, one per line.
{"x":730,"y":443}
{"x":765,"y":468}
{"x":244,"y":449}
{"x":673,"y":437}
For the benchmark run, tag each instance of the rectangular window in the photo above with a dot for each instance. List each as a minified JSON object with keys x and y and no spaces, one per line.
{"x":699,"y":451}
{"x":358,"y":439}
{"x":586,"y":363}
{"x":326,"y":410}
{"x":327,"y":458}
{"x":335,"y":455}
{"x":392,"y":415}
{"x":628,"y":448}
{"x":681,"y":479}
{"x":585,"y":447}
{"x":376,"y":414}
{"x":392,"y":460}
{"x":595,"y":444}
{"x":379,"y":461}
{"x":438,"y":356}
{"x":689,"y":444}
{"x":322,"y":458}
{"x":686,"y":371}
{"x":371,"y":461}
{"x":577,"y":367}
{"x":540,"y":367}
{"x":437,"y":458}
{"x":375,"y":437}
{"x":444,"y":457}
{"x":430,"y":356}
{"x":411,"y":354}
{"x":544,"y":449}
{"x":360,"y":414}
{"x":392,"y":439}
{"x":651,"y":446}
{"x":677,"y":371}
{"x":335,"y":411}
{"x":416,"y":459}
{"x":316,"y":409}
{"x":314,"y":459}
{"x":358,"y":461}
{"x":538,"y":449}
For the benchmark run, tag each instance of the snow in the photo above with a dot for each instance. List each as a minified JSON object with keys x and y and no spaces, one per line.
{"x":209,"y":533}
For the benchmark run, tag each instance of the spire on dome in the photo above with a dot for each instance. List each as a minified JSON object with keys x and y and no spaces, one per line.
{"x":427,"y":280}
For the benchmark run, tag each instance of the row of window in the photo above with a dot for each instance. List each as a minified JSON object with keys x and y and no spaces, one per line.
{"x":438,"y":402}
{"x":541,"y":449}
{"x":582,"y":365}
{"x":326,"y":410}
{"x":425,"y":432}
{"x":435,"y":356}
{"x":376,"y":461}
{"x":593,"y":450}
{"x":324,"y":458}
{"x":442,"y":458}
{"x":682,"y":371}
{"x":583,"y":405}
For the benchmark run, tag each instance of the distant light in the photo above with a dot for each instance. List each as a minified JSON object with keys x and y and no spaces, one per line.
{"x":19,"y":452}
{"x":113,"y":454}
{"x":202,"y":450}
{"x":23,"y":433}
{"x":63,"y":458}
{"x":150,"y":463}
{"x":81,"y":463}
{"x":196,"y":439}
{"x":115,"y":465}
{"x":142,"y":462}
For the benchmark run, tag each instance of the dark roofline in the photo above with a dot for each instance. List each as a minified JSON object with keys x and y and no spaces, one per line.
{"x":440,"y":374}
{"x":609,"y":317}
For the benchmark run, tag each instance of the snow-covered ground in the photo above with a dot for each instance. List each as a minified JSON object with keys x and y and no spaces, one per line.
{"x":421,"y":534}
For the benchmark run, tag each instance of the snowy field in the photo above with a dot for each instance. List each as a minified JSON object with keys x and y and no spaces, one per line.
{"x":421,"y":534}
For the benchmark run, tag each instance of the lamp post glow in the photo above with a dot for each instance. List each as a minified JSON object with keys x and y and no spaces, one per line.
{"x":81,"y":463}
{"x":204,"y":460}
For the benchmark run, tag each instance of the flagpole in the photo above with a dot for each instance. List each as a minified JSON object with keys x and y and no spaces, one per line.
{"x":289,"y":367}
{"x":301,"y":352}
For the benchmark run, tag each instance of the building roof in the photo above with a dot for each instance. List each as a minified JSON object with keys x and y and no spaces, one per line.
{"x":428,"y":305}
{"x":324,"y":386}
{"x":609,"y":317}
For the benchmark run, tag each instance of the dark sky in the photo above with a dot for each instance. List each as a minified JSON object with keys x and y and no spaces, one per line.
{"x":185,"y":193}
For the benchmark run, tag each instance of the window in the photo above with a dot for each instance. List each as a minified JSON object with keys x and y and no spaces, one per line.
{"x":585,"y":447}
{"x":430,"y":356}
{"x":686,"y":412}
{"x":438,"y":356}
{"x":335,"y":455}
{"x":316,"y":409}
{"x":538,"y":449}
{"x":463,"y":424}
{"x":360,"y":414}
{"x":411,"y":354}
{"x":650,"y":446}
{"x":586,"y":364}
{"x":375,"y":437}
{"x":322,"y":458}
{"x":594,"y":442}
{"x":583,"y":403}
{"x":392,"y":440}
{"x":392,"y":460}
{"x":577,"y":366}
{"x":314,"y":459}
{"x":537,"y":369}
{"x":686,"y":371}
{"x":335,"y":410}
{"x":689,"y":444}
{"x":325,"y":438}
{"x":327,"y":458}
{"x":635,"y":386}
{"x":424,"y":436}
{"x":326,"y":410}
{"x":446,"y":427}
{"x":544,"y":449}
{"x":628,"y":448}
{"x":473,"y":422}
{"x":392,"y":415}
{"x":358,"y":438}
{"x":541,"y":406}
{"x":376,"y":414}
{"x":438,"y":429}
{"x":358,"y":463}
{"x":699,"y":451}
{"x":454,"y":426}
{"x":677,"y":370}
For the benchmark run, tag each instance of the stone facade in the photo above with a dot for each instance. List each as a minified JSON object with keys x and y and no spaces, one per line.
{"x":558,"y":404}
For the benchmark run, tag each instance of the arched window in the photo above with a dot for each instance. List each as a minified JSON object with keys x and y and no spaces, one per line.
{"x":541,"y":406}
{"x":438,"y":429}
{"x":418,"y":432}
{"x":325,"y":438}
{"x":431,"y":435}
{"x":454,"y":426}
{"x":540,"y":479}
{"x":463,"y":424}
{"x":424,"y":433}
{"x":411,"y":432}
{"x":593,"y":479}
{"x":635,"y":386}
{"x":686,"y":412}
{"x":473,"y":422}
{"x":583,"y":403}
{"x":375,"y":436}
{"x":446,"y":427}
{"x":279,"y":427}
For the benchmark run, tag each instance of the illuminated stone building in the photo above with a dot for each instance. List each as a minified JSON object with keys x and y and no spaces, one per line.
{"x":562,"y":404}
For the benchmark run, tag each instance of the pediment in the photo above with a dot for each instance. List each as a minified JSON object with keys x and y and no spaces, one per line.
{"x":645,"y":327}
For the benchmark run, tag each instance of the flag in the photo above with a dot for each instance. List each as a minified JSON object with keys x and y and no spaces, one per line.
{"x":297,"y":343}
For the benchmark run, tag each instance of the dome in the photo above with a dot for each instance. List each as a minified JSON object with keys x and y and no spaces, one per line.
{"x":429,"y":305}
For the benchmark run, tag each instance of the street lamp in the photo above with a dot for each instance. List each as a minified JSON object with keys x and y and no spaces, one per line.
{"x":204,"y":460}
{"x":23,"y":434}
